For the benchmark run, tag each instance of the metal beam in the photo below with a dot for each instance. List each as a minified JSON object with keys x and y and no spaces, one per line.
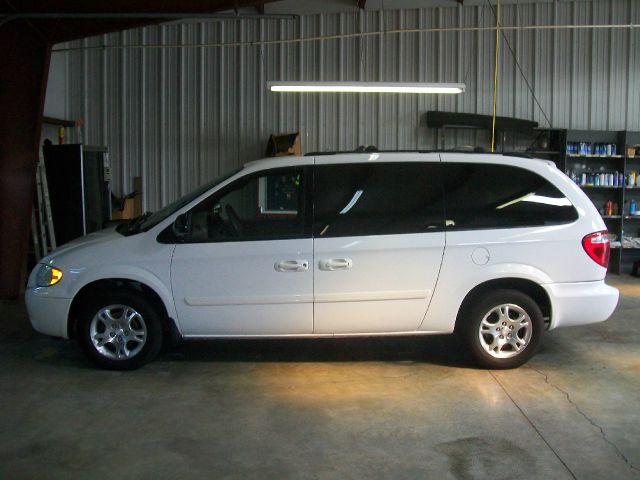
{"x":23,"y":79}
{"x":143,"y":16}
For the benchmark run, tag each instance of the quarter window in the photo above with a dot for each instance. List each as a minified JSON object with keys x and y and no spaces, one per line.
{"x":484,"y":196}
{"x":377,"y":199}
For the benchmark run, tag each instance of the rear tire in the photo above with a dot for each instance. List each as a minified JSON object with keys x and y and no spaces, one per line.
{"x":119,"y":330}
{"x":502,"y":329}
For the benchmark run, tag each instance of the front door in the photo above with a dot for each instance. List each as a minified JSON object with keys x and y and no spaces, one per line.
{"x":379,"y":241}
{"x":245,"y":267}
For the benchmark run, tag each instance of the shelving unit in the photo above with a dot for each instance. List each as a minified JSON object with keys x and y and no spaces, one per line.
{"x":619,"y":224}
{"x":631,"y":224}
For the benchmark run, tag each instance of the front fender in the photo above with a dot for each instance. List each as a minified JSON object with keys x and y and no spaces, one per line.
{"x":127,"y":272}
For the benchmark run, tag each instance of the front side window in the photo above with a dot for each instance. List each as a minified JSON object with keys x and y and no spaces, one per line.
{"x":485,"y":196}
{"x":377,"y":199}
{"x":266,"y":206}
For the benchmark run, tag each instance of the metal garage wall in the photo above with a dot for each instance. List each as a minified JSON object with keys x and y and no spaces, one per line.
{"x":179,"y":116}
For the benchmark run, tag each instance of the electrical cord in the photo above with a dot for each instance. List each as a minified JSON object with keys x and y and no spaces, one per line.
{"x":515,"y":59}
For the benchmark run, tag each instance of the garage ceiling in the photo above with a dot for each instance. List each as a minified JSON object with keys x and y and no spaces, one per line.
{"x":59,"y":29}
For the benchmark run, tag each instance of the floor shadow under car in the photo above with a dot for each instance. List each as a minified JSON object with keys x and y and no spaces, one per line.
{"x":441,"y":350}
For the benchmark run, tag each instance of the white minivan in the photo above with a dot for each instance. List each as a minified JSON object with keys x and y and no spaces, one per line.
{"x":495,"y":248}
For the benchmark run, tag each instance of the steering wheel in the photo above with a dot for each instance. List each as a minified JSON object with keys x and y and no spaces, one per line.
{"x":234,"y":220}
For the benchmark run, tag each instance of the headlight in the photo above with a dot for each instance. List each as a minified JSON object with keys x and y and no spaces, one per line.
{"x":48,"y":276}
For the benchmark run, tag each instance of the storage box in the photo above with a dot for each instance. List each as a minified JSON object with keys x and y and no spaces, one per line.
{"x":131,"y":203}
{"x":127,"y":212}
{"x":284,"y":145}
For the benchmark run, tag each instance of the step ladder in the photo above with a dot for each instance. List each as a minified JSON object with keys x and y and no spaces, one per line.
{"x":44,"y":237}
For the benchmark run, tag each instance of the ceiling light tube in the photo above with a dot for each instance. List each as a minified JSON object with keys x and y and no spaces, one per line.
{"x":366,"y":87}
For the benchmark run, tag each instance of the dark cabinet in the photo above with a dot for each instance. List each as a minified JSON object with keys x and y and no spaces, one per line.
{"x":78,"y":189}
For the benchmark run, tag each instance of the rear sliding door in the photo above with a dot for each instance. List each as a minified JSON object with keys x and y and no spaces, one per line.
{"x":378,"y":244}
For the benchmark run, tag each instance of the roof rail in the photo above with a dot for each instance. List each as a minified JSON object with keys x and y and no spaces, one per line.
{"x":477,"y":150}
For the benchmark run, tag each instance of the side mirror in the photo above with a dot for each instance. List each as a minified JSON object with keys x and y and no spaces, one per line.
{"x":181,"y":227}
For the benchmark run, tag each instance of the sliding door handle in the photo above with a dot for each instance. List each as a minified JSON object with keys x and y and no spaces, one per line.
{"x":332,"y":264}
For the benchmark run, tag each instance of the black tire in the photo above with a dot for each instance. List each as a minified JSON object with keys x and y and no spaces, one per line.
{"x":142,"y":348}
{"x":520,"y":309}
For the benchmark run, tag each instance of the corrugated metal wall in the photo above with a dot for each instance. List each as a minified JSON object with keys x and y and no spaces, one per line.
{"x":179,"y":116}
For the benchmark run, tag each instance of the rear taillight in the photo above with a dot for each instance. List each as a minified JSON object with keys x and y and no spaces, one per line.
{"x":597,"y":246}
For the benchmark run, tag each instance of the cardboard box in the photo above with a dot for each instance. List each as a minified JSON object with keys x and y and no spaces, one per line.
{"x":131,"y":204}
{"x":127,"y":212}
{"x":284,"y":145}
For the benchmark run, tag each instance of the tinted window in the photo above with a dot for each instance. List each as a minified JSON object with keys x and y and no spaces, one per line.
{"x":499,"y":196}
{"x":377,"y":199}
{"x":176,"y":205}
{"x":267,"y":206}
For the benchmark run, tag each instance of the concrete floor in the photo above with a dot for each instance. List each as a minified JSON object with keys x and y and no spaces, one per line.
{"x":359,"y":408}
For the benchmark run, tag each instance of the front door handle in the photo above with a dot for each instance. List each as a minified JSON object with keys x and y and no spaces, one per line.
{"x":332,"y":264}
{"x":292,"y":266}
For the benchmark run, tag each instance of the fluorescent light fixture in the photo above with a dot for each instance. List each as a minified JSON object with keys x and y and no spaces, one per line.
{"x":366,"y":87}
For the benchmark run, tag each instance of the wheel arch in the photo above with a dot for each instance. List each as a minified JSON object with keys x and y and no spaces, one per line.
{"x":534,"y":290}
{"x":169,"y":324}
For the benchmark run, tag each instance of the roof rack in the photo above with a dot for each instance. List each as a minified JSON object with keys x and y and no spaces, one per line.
{"x":373,"y":150}
{"x":365,"y":149}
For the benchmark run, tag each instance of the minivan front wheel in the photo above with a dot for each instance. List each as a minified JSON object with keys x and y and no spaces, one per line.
{"x":119,"y":330}
{"x":503,"y":329}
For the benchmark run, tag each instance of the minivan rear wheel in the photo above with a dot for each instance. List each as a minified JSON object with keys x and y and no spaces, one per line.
{"x":119,"y":330}
{"x":503,"y":329}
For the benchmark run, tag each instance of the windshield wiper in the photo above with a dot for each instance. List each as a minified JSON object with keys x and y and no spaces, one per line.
{"x":135,"y":224}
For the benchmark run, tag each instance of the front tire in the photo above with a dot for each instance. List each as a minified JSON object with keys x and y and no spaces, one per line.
{"x":503,"y":329}
{"x":119,"y":330}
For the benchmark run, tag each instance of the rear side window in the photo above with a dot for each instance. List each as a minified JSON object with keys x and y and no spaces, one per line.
{"x":483,"y":196}
{"x":377,"y":199}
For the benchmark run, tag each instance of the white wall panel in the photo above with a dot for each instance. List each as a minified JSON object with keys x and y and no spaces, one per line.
{"x":180,"y":116}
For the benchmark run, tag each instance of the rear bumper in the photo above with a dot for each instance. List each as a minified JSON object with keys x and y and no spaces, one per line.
{"x":581,"y":303}
{"x":47,"y":314}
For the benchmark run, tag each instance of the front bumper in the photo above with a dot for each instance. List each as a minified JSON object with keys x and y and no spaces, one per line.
{"x":581,"y":303}
{"x":47,"y":314}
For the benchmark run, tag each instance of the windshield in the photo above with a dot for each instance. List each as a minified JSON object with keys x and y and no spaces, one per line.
{"x":149,"y":220}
